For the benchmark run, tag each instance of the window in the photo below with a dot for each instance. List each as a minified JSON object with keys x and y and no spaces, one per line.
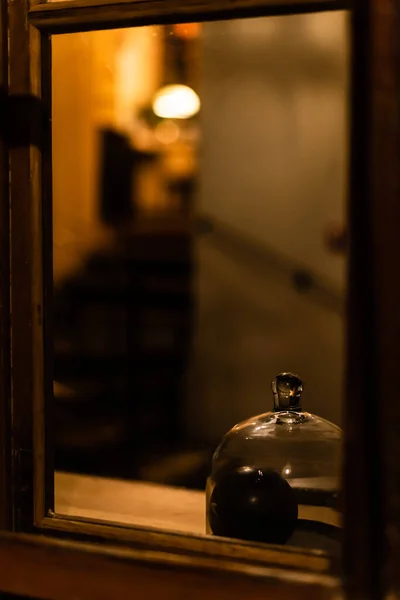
{"x":371,"y":354}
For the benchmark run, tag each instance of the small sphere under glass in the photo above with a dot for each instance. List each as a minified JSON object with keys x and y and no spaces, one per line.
{"x":254,"y":505}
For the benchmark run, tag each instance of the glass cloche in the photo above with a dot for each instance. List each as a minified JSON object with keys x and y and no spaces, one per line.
{"x":277,"y":474}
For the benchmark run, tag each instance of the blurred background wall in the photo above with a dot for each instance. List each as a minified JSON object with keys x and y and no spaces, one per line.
{"x":274,"y":126}
{"x":273,"y":176}
{"x":100,"y":79}
{"x":270,"y":176}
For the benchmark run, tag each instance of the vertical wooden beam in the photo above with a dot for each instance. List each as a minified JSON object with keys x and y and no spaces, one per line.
{"x":372,"y":469}
{"x":43,"y":433}
{"x":5,"y":375}
{"x":385,"y":192}
{"x":26,"y":141}
{"x":21,"y":265}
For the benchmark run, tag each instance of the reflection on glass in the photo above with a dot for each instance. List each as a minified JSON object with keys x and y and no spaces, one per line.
{"x":194,"y":258}
{"x":254,"y":493}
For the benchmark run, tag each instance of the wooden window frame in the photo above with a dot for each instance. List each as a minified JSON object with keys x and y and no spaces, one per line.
{"x":62,"y":570}
{"x":371,"y":472}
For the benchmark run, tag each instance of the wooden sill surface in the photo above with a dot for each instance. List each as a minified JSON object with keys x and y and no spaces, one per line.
{"x":144,"y":504}
{"x":130,"y":502}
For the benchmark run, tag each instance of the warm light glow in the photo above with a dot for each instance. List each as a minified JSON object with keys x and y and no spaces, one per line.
{"x":176,"y":102}
{"x":167,"y":132}
{"x":187,"y":31}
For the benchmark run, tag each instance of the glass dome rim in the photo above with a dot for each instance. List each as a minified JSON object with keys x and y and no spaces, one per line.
{"x":310,"y":420}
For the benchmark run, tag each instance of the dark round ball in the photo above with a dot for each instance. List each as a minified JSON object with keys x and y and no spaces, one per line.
{"x":253,"y":504}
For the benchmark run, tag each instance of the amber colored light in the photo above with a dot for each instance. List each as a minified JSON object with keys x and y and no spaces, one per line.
{"x":176,"y":102}
{"x":187,"y":31}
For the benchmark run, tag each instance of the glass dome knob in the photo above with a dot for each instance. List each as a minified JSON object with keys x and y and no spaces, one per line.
{"x":287,"y":389}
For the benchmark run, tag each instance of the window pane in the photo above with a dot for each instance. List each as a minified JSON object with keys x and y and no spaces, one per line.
{"x":199,"y":250}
